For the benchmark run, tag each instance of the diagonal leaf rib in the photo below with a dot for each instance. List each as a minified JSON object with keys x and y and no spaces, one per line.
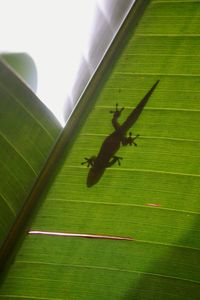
{"x":22,"y":157}
{"x":14,"y":97}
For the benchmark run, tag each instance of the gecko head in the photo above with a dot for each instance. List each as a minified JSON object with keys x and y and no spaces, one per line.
{"x":94,"y":175}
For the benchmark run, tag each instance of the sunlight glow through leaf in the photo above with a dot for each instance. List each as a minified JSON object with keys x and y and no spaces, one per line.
{"x":54,"y":34}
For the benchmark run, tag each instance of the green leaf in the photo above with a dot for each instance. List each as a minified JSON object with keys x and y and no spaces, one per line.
{"x":24,"y":66}
{"x":152,"y":197}
{"x":27,"y":133}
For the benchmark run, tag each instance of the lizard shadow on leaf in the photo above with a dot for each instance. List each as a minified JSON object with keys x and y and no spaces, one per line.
{"x":107,"y":153}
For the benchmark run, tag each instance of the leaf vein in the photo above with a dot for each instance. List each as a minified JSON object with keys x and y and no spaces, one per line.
{"x":15,"y":98}
{"x":8,"y":204}
{"x":21,"y":156}
{"x":109,"y":269}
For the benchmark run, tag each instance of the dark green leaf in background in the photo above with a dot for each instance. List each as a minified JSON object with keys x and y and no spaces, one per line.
{"x":24,"y":66}
{"x":164,"y":260}
{"x":27,"y":133}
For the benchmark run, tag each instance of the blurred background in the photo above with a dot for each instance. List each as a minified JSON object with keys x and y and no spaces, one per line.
{"x":61,"y":42}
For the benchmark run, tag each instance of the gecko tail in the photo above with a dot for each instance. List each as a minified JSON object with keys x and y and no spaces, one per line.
{"x":132,"y":118}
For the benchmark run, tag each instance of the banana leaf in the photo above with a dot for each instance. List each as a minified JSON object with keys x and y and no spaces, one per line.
{"x":134,"y":234}
{"x":24,"y":66}
{"x":28,"y":132}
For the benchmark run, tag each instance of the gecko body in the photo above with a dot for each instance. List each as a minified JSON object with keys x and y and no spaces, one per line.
{"x":106,"y":156}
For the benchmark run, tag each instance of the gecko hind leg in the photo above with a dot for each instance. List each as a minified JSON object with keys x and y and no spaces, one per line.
{"x":117,"y":112}
{"x":130,"y":140}
{"x":116,"y":115}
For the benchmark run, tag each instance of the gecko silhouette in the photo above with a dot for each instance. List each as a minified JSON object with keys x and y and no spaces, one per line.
{"x":106,"y":156}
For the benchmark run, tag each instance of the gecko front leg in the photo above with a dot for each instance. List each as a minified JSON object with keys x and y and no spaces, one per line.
{"x":114,"y":160}
{"x":89,"y":161}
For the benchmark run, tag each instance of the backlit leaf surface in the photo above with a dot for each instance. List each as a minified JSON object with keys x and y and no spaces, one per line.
{"x":163,"y":262}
